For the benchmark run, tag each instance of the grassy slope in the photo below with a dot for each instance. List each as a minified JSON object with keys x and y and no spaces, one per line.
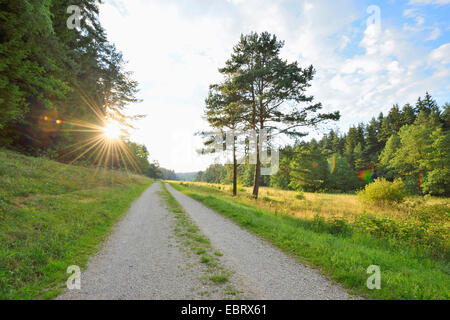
{"x":406,"y":272}
{"x":51,"y":216}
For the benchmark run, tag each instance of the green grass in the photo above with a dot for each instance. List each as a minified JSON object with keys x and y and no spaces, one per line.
{"x":205,"y":259}
{"x":52,"y":216}
{"x":342,"y":253}
{"x":220,"y":278}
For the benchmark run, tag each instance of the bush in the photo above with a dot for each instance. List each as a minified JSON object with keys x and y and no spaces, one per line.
{"x":299,"y":195}
{"x":383,"y":191}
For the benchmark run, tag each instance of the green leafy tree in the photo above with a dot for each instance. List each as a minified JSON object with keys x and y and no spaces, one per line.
{"x":390,"y":150}
{"x":437,"y":164}
{"x":354,"y":137}
{"x":29,"y":75}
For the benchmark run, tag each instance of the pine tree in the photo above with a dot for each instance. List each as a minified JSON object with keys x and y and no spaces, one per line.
{"x":372,"y":147}
{"x":265,"y":83}
{"x":426,"y":105}
{"x":224,"y":111}
{"x":343,"y":178}
{"x":408,"y":114}
{"x":308,"y":168}
{"x":390,"y":150}
{"x":445,"y":116}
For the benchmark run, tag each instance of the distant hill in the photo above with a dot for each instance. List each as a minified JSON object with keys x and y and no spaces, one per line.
{"x":186,"y":176}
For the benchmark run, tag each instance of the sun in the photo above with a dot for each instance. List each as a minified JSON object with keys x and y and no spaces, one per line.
{"x":112,"y":130}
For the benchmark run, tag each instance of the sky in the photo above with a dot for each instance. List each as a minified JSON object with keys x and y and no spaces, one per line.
{"x":368,"y":55}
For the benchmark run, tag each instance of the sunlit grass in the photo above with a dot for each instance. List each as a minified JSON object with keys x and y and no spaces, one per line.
{"x":412,"y":254}
{"x":346,"y":206}
{"x":53,"y":215}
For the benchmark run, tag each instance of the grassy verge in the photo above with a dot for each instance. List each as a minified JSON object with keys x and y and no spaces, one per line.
{"x":341,"y":252}
{"x":52,"y":216}
{"x":198,"y":244}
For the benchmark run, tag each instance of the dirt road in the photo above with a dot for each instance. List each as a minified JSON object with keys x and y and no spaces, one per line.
{"x":266,"y":270}
{"x":142,"y":260}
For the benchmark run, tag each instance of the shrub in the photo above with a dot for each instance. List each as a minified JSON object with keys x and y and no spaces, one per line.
{"x":336,"y":226}
{"x":383,"y":191}
{"x":299,"y":195}
{"x":340,"y":227}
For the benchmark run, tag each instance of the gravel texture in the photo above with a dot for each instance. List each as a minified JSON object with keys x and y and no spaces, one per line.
{"x":141,"y":260}
{"x":266,"y":270}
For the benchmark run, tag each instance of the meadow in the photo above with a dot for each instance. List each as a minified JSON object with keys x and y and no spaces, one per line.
{"x":342,"y":237}
{"x":54,"y":215}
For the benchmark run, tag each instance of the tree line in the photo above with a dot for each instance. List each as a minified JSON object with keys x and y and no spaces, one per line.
{"x":411,"y":143}
{"x":59,"y":84}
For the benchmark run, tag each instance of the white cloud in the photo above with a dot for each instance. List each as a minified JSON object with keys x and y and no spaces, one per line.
{"x":345,"y":41}
{"x":434,"y":34}
{"x":411,"y":12}
{"x":441,"y":54}
{"x":420,"y":21}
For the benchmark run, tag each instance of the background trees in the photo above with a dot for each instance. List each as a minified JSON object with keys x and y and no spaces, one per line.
{"x":52,"y":72}
{"x":411,"y":143}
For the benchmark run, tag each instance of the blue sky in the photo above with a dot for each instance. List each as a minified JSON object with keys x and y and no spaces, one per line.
{"x":174,"y":48}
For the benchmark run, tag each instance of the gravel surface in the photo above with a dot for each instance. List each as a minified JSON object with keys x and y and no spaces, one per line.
{"x":141,"y":259}
{"x":266,"y":270}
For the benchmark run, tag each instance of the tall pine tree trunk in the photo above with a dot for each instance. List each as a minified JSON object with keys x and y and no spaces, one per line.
{"x":234,"y":168}
{"x":257,"y":171}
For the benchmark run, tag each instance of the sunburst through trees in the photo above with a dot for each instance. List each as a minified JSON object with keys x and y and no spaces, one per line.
{"x":101,"y":142}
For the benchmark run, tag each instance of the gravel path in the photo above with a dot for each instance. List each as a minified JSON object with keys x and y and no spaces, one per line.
{"x":141,"y":259}
{"x":266,"y":270}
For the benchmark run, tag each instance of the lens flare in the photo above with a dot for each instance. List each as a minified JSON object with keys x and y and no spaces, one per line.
{"x":112,"y":130}
{"x":333,"y":163}
{"x":55,"y":121}
{"x":100,"y":141}
{"x":367,"y":175}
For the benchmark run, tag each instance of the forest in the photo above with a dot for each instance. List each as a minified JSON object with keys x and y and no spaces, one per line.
{"x":410,"y":142}
{"x":61,"y":85}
